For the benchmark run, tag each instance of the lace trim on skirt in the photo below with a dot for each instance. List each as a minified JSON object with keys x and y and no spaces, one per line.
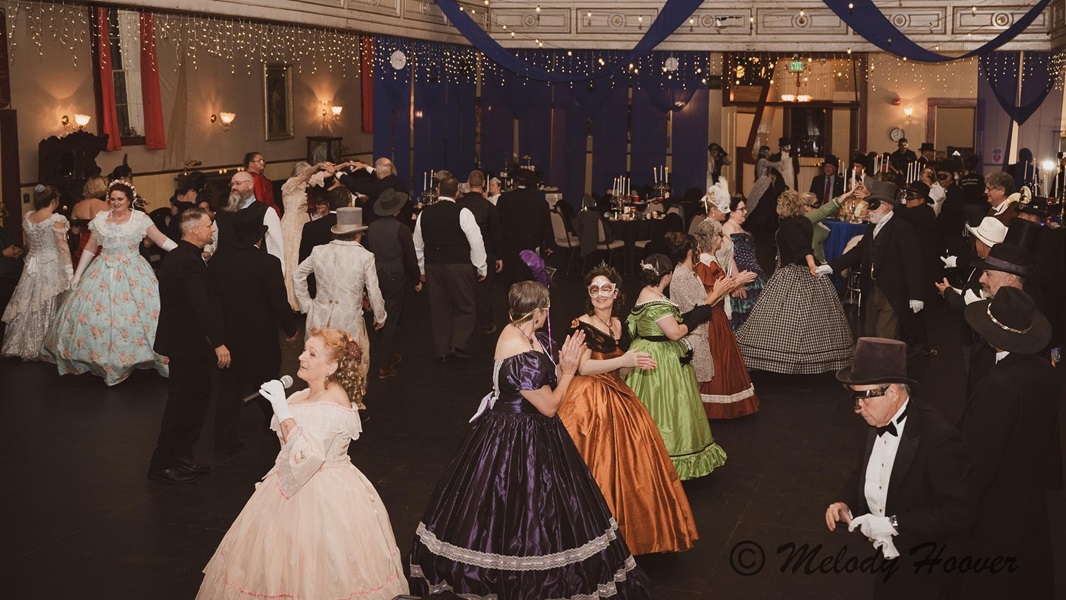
{"x":603,"y":590}
{"x":488,"y":560}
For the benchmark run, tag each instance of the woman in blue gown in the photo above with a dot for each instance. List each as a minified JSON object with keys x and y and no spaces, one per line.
{"x":517,"y":515}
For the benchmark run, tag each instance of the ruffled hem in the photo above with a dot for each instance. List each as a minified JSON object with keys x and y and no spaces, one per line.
{"x":732,"y":410}
{"x":823,"y":362}
{"x":603,"y":590}
{"x":220,"y":588}
{"x":693,"y":466}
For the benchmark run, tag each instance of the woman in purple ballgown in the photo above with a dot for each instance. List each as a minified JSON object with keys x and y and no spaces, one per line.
{"x":517,"y":515}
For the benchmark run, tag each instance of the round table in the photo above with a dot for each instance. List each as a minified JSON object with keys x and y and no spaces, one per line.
{"x":839,"y":234}
{"x":632,"y":231}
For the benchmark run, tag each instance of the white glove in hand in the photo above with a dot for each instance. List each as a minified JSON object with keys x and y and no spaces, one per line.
{"x":950,"y":262}
{"x":873,"y":526}
{"x":970,"y":297}
{"x":916,"y":305}
{"x":887,"y":547}
{"x":274,"y":392}
{"x":824,"y":270}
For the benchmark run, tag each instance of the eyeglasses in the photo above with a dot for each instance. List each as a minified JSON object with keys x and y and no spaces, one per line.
{"x":943,"y":176}
{"x":602,"y":290}
{"x":861,"y":396}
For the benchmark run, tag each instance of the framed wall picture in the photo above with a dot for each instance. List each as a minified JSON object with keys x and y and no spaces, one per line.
{"x":277,"y":101}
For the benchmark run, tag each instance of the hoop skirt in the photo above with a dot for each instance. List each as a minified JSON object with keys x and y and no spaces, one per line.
{"x":744,"y":256}
{"x":517,"y":515}
{"x":106,"y":326}
{"x":798,"y":326}
{"x":671,"y":394}
{"x":625,"y":453}
{"x":45,"y":279}
{"x":330,"y":538}
{"x":730,"y":393}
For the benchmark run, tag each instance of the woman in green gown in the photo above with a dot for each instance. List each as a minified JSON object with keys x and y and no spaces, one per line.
{"x":670,"y":390}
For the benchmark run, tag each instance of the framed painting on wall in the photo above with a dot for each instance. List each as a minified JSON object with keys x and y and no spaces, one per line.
{"x":277,"y":101}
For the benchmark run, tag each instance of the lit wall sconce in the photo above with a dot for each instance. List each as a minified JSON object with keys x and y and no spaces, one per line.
{"x":803,"y":98}
{"x":223,"y":120}
{"x":788,"y":97}
{"x":333,"y":112}
{"x":908,"y":112}
{"x":80,"y":122}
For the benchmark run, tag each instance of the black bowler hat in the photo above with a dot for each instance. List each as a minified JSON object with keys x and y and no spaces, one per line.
{"x":927,"y":147}
{"x":783,"y":142}
{"x":1007,"y":258}
{"x":877,"y":360}
{"x":248,"y":229}
{"x":1024,"y":234}
{"x":918,"y":189}
{"x":831,"y":160}
{"x":1010,"y":322}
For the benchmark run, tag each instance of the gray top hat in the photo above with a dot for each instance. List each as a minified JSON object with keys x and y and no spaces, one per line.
{"x":877,"y":360}
{"x":349,"y":219}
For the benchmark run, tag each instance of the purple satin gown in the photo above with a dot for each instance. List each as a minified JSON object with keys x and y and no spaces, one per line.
{"x":518,"y":516}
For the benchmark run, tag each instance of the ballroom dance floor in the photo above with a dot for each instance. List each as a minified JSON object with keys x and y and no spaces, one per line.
{"x":84,"y":522}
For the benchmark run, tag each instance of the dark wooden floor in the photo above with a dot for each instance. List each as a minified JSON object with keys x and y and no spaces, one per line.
{"x":84,"y":522}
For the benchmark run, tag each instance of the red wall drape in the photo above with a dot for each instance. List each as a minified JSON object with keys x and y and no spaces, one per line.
{"x":366,"y":79}
{"x":109,"y":116}
{"x":154,"y":134}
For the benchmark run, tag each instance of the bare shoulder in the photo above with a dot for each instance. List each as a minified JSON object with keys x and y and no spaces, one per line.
{"x":510,"y":343}
{"x":335,"y":394}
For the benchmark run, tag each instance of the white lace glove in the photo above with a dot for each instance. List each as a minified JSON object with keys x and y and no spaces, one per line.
{"x":873,"y":526}
{"x":169,"y":245}
{"x":83,"y":263}
{"x":824,"y":270}
{"x":274,"y":392}
{"x":916,"y":305}
{"x":950,"y":262}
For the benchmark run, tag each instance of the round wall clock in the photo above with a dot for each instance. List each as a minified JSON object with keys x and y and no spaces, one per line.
{"x":896,"y":134}
{"x":398,"y":60}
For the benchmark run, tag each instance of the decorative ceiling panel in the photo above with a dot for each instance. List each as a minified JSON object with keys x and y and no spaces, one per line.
{"x":390,"y":8}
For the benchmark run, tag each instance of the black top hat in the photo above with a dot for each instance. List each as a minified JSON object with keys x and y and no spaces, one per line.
{"x":784,"y":141}
{"x":877,"y":360}
{"x":881,"y":191}
{"x":927,"y":147}
{"x":1037,"y":205}
{"x":863,"y":160}
{"x":918,"y":189}
{"x":1007,"y":258}
{"x":1010,"y":322}
{"x":831,"y":160}
{"x":1024,"y":234}
{"x":525,"y":176}
{"x":248,"y":229}
{"x":390,"y":202}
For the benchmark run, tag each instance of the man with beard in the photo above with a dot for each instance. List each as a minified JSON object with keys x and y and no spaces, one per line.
{"x":242,"y":198}
{"x":369,"y":181}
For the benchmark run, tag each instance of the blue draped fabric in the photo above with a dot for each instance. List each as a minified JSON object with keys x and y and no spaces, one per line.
{"x":575,"y":144}
{"x":497,"y":128}
{"x":868,"y":21}
{"x":430,"y":122}
{"x":392,"y":106}
{"x":690,"y":145}
{"x":459,"y":153}
{"x":1002,"y":70}
{"x":590,"y":96}
{"x":609,"y":140}
{"x":649,"y":137}
{"x":672,"y":14}
{"x":534,"y":127}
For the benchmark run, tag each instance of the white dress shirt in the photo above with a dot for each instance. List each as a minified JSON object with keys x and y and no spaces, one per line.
{"x":1001,"y":355}
{"x":274,"y":244}
{"x":881,"y":224}
{"x":473,"y":237}
{"x":879,"y":469}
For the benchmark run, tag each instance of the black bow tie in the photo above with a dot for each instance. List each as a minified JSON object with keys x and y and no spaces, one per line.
{"x":891,"y":427}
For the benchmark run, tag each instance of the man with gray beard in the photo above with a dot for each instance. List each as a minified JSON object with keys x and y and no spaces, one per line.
{"x":242,"y":198}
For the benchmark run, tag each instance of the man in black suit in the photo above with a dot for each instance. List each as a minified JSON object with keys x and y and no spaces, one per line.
{"x":1011,"y":428}
{"x":190,"y":335}
{"x":829,"y":184}
{"x":891,"y":273}
{"x":910,"y":493}
{"x":451,"y":258}
{"x":318,"y":232}
{"x":488,"y":220}
{"x":251,"y":294}
{"x":902,"y":157}
{"x":952,"y":218}
{"x":364,"y":180}
{"x":918,"y":211}
{"x":526,"y":224}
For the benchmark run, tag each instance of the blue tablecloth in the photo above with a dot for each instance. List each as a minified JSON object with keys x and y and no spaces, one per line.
{"x":839,"y":234}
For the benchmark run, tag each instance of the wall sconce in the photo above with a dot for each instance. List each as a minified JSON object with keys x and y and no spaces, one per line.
{"x":788,"y":97}
{"x":908,"y":112}
{"x":333,"y":111}
{"x":79,"y":119}
{"x":223,"y":120}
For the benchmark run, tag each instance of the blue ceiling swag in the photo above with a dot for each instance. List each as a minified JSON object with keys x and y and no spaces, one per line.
{"x":868,"y":21}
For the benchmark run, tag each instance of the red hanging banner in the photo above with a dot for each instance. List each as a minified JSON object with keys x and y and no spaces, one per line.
{"x":109,"y":116}
{"x":154,"y":133}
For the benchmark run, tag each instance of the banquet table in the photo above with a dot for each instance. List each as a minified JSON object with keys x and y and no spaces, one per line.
{"x":632,"y":231}
{"x":839,"y":234}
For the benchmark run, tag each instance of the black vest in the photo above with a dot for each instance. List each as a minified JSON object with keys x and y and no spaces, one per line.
{"x":384,"y":242}
{"x":442,"y":236}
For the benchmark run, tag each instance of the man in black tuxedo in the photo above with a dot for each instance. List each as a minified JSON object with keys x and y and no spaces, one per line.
{"x":891,"y":273}
{"x":190,"y":335}
{"x":829,"y":184}
{"x":451,"y":258}
{"x":526,"y":223}
{"x":952,"y":218}
{"x":364,"y":180}
{"x":318,"y":232}
{"x":918,"y":212}
{"x":1011,"y":428}
{"x":251,"y":294}
{"x":488,"y":220}
{"x":910,"y":492}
